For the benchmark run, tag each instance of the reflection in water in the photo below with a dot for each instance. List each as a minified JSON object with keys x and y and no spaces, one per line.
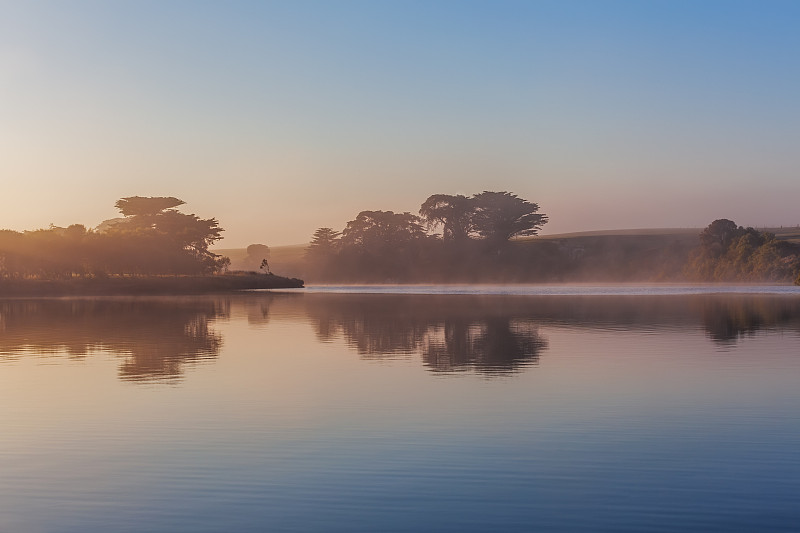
{"x":451,"y":333}
{"x":726,"y":320}
{"x":493,"y":345}
{"x":156,"y":337}
{"x":500,"y":333}
{"x":632,"y":422}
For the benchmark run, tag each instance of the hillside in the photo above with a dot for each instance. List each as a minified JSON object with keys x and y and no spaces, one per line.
{"x":786,"y":233}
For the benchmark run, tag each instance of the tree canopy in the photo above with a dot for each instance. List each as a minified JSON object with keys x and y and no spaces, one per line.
{"x":728,"y":252}
{"x":382,"y":229}
{"x":324,"y":242}
{"x":385,"y":246}
{"x":152,"y":239}
{"x":453,"y":212}
{"x":499,"y":216}
{"x":494,"y":216}
{"x":180,"y":241}
{"x":718,"y":235}
{"x":146,"y":205}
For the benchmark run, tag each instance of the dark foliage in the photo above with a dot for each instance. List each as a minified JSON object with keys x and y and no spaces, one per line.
{"x":152,"y":239}
{"x":383,"y":246}
{"x":499,"y":216}
{"x":481,"y":240}
{"x":728,"y":252}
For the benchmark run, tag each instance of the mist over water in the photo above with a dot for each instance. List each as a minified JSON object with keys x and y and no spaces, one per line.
{"x":403,"y":409}
{"x":566,"y":289}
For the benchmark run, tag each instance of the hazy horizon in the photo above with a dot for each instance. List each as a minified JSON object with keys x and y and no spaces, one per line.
{"x":281,"y":117}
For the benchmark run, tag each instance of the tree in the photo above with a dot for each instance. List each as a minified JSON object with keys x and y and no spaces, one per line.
{"x":189,"y":232}
{"x":146,"y":205}
{"x":453,"y":213}
{"x":222,"y":263}
{"x":322,"y":253}
{"x":381,"y":245}
{"x":499,"y":216}
{"x":324,"y":243}
{"x":719,"y":235}
{"x":257,"y":251}
{"x":156,"y":238}
{"x":728,"y":252}
{"x":376,"y":230}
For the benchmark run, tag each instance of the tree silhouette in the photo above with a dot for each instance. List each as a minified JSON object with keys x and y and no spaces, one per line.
{"x":499,"y":216}
{"x":256,"y":251}
{"x":381,"y":245}
{"x":324,"y":243}
{"x":453,"y":213}
{"x":146,"y":205}
{"x":156,"y":238}
{"x":719,"y":235}
{"x":382,"y":229}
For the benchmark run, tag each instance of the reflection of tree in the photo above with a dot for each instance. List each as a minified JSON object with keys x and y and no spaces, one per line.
{"x":156,"y":337}
{"x":375,"y":336}
{"x":493,"y":345}
{"x":499,"y":334}
{"x":257,"y":310}
{"x":728,"y":319}
{"x":449,"y":335}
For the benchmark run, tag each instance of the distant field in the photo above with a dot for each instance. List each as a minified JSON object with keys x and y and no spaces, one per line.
{"x":620,"y":232}
{"x":784,"y":233}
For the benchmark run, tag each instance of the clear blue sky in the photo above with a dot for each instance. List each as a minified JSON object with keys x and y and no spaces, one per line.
{"x":281,"y":117}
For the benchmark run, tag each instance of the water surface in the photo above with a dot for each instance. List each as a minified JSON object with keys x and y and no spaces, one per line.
{"x":402,"y":410}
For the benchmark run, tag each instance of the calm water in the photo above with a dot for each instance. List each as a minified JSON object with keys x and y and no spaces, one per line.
{"x":356,"y":409}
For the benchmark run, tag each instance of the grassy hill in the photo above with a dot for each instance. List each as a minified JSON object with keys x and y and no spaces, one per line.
{"x":791,"y":234}
{"x":646,"y":237}
{"x":639,"y":232}
{"x":787,"y":233}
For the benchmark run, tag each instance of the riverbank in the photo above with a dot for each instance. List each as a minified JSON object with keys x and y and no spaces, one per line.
{"x":145,"y":285}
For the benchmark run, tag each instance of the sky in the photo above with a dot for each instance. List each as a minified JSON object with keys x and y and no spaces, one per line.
{"x":279,"y":117}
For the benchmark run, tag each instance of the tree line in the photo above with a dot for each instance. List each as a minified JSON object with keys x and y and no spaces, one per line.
{"x":452,"y":232}
{"x":456,"y":238}
{"x":151,"y":238}
{"x":731,"y":253}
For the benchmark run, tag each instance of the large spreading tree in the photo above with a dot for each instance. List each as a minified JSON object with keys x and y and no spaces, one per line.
{"x":452,"y":212}
{"x":499,"y":216}
{"x":179,"y":242}
{"x":493,"y":216}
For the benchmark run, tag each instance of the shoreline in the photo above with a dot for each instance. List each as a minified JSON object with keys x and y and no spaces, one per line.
{"x":145,"y":285}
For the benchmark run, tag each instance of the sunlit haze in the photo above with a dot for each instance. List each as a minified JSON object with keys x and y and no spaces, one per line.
{"x":281,"y":117}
